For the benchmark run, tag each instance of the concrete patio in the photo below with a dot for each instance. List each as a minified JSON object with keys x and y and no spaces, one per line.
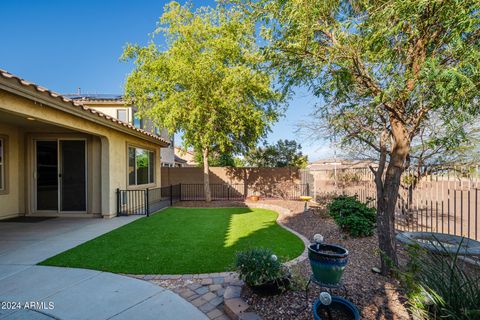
{"x":75,"y":293}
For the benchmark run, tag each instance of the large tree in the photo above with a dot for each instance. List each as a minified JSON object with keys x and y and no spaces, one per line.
{"x":284,"y":153}
{"x":206,"y":81}
{"x":385,"y":69}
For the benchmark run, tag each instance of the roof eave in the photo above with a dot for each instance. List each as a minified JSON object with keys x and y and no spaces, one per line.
{"x":37,"y":93}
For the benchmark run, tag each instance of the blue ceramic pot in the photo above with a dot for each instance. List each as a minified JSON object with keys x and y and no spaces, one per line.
{"x":340,"y":309}
{"x":328,"y":262}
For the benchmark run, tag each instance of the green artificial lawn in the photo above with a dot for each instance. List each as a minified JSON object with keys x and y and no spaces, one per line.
{"x":182,"y":241}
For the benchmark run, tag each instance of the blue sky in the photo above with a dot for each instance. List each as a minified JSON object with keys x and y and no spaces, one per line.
{"x":63,"y":45}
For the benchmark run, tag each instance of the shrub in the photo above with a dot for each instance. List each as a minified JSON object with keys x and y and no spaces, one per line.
{"x":440,"y":286}
{"x":352,"y":216}
{"x":258,"y":266}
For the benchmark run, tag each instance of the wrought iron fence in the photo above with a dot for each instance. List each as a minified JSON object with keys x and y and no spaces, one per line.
{"x":146,"y":201}
{"x":447,"y":201}
{"x":150,"y":200}
{"x":221,"y":191}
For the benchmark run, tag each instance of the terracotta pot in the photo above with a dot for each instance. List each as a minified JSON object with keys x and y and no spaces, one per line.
{"x":254,"y":198}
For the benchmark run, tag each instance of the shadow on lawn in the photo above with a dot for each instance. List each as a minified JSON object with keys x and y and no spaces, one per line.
{"x":268,"y":235}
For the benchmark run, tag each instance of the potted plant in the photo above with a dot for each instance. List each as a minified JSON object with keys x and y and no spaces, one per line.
{"x":255,"y":197}
{"x":262,"y":271}
{"x":334,"y":308}
{"x":327,"y":261}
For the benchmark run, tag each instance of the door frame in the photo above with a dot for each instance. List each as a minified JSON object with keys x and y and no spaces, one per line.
{"x":59,"y":170}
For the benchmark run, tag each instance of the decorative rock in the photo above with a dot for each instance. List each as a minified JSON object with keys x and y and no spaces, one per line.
{"x":376,"y":270}
{"x":232,"y":292}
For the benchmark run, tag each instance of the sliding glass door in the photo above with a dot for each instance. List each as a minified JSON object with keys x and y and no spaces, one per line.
{"x":61,"y":175}
{"x":47,"y":175}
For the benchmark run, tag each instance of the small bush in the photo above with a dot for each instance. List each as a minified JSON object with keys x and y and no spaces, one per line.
{"x":440,"y":286}
{"x":258,"y":266}
{"x":353,"y":216}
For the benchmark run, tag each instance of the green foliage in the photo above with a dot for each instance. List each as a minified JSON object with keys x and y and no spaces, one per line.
{"x":385,"y":72}
{"x":219,"y":160}
{"x":353,"y":216}
{"x":285,"y":153}
{"x":258,"y":266}
{"x":440,"y":286}
{"x":207,"y":81}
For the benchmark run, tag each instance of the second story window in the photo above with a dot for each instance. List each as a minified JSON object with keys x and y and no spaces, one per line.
{"x":122,"y":115}
{"x":137,"y":122}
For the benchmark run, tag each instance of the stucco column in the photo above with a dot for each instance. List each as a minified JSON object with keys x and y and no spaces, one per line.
{"x":107,"y":210}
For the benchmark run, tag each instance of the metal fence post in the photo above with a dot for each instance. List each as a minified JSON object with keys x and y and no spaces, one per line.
{"x":179,"y":192}
{"x":146,"y":203}
{"x":228,"y":192}
{"x":171,"y":194}
{"x":118,"y":201}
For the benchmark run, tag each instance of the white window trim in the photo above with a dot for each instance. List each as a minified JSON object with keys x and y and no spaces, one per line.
{"x":126,"y":115}
{"x":135,"y":167}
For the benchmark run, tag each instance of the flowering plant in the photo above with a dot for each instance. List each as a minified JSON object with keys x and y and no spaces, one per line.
{"x":258,"y":266}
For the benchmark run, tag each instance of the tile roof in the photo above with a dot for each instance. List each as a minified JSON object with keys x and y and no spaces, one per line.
{"x":95,"y":96}
{"x":68,"y":102}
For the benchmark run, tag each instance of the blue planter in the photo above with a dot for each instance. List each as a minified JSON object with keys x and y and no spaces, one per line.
{"x":340,"y":308}
{"x":328,"y":262}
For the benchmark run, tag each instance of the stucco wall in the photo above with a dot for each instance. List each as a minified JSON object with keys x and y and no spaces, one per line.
{"x":167,"y":155}
{"x":109,"y":146}
{"x":250,"y":176}
{"x":12,"y":198}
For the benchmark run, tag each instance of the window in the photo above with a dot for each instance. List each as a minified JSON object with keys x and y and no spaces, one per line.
{"x":2,"y":164}
{"x":141,"y":166}
{"x":122,"y":115}
{"x":137,"y":122}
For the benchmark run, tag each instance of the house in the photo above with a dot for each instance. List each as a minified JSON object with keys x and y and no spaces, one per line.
{"x":332,"y":164}
{"x":187,"y":156}
{"x":59,"y":157}
{"x":115,"y":106}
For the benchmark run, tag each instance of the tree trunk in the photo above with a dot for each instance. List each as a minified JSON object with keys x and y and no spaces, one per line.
{"x":387,"y":198}
{"x":206,"y":176}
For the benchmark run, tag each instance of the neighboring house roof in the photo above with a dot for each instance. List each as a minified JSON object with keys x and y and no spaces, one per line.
{"x":69,"y":104}
{"x":330,"y":164}
{"x":187,"y":155}
{"x":180,"y":160}
{"x":94,"y":96}
{"x":97,"y":98}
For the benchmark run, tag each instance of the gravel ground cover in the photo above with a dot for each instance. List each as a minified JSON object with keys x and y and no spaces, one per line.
{"x":376,"y":296}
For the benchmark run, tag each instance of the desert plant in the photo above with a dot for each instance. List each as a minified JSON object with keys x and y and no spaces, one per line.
{"x":440,"y":286}
{"x":352,"y":216}
{"x":258,"y":266}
